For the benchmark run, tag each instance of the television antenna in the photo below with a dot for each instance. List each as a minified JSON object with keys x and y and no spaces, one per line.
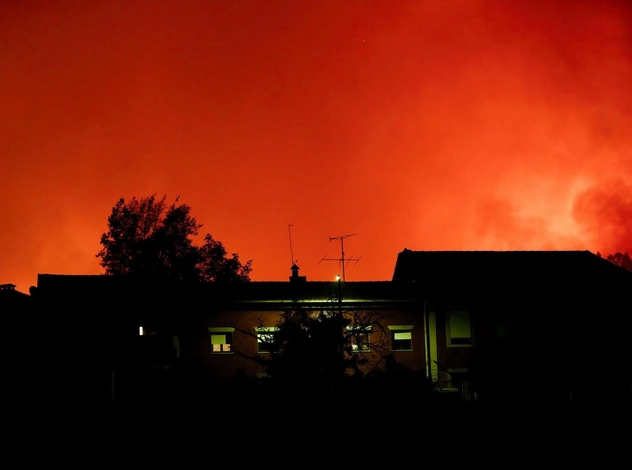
{"x":289,"y":231}
{"x":342,"y":260}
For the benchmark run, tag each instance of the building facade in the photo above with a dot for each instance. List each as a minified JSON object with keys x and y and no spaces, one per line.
{"x":483,"y":325}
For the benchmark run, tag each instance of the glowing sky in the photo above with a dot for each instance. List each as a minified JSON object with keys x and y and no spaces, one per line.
{"x":428,"y":125}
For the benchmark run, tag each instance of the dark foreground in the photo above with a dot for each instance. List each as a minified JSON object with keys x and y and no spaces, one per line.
{"x":302,"y":433}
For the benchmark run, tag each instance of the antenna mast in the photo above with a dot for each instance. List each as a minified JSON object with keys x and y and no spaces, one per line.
{"x":292,"y":260}
{"x":342,"y":258}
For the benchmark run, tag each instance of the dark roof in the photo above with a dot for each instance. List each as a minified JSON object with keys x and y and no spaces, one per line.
{"x":9,"y":291}
{"x":477,"y":271}
{"x":12,"y":300}
{"x":458,"y":275}
{"x":260,"y":293}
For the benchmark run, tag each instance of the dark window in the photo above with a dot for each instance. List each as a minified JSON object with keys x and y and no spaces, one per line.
{"x":459,"y":328}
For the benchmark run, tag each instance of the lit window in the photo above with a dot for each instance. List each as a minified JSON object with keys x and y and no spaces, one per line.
{"x":265,"y":338}
{"x":459,"y":328}
{"x":402,"y":337}
{"x":221,"y":340}
{"x":141,"y":332}
{"x":360,"y":340}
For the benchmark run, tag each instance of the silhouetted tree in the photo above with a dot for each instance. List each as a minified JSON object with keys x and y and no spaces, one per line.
{"x":321,"y":352}
{"x":214,"y":264}
{"x":147,"y":238}
{"x":621,"y":259}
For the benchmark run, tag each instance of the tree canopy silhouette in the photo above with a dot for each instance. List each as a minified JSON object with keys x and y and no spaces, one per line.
{"x":319,"y":350}
{"x":620,"y":259}
{"x":148,"y":238}
{"x":328,"y":356}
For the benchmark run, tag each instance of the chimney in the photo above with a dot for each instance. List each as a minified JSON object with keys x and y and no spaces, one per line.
{"x":295,"y":277}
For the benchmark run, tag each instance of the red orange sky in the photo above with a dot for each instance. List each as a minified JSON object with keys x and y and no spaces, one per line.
{"x":456,"y":125}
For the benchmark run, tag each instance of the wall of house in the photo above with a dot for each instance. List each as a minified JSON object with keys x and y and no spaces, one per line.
{"x":415,"y":359}
{"x":224,"y":366}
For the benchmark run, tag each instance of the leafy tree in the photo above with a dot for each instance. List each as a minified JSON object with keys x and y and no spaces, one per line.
{"x":621,"y":259}
{"x":309,"y":347}
{"x":148,"y":238}
{"x":321,"y":351}
{"x":316,"y":361}
{"x":214,"y":264}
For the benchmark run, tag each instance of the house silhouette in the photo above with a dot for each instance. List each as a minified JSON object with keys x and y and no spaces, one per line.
{"x":489,"y":326}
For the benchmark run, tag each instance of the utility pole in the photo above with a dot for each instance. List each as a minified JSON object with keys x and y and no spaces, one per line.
{"x":339,"y":295}
{"x":342,"y":258}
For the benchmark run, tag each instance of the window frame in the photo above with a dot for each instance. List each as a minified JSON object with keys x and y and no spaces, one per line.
{"x":460,"y":341}
{"x":261,"y":331}
{"x":225,"y":331}
{"x":395,"y":329}
{"x":357,"y":331}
